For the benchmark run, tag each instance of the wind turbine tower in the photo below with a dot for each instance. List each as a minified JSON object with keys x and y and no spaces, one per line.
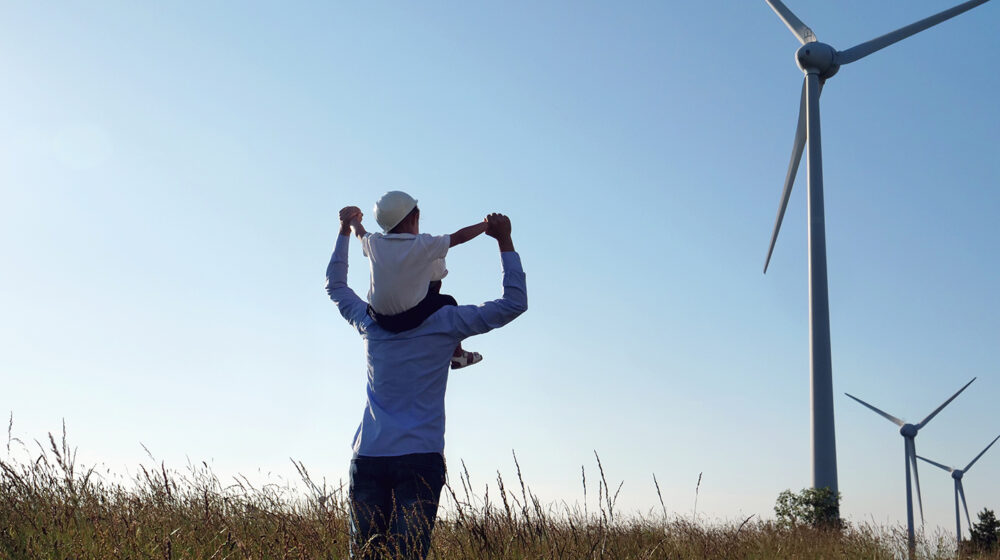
{"x":957,"y":475}
{"x":909,"y":433}
{"x":819,"y":62}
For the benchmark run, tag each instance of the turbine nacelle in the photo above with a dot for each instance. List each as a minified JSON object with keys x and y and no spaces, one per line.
{"x":818,"y":57}
{"x":823,"y":61}
{"x":908,"y":431}
{"x":957,"y":474}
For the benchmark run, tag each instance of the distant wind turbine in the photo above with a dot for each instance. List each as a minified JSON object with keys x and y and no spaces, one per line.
{"x":959,"y":491}
{"x":909,"y":432}
{"x":819,"y":62}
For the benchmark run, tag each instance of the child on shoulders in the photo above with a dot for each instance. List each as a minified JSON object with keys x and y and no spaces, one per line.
{"x":407,"y":267}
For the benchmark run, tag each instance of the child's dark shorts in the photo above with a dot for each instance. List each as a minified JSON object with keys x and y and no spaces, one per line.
{"x":413,"y":317}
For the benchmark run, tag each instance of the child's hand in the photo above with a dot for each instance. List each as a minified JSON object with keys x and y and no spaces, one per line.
{"x":349,"y":215}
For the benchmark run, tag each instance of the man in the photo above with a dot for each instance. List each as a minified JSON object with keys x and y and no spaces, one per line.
{"x":398,"y":467}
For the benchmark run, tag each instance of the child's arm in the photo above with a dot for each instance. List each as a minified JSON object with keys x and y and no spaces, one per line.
{"x":467,"y":233}
{"x":359,"y":230}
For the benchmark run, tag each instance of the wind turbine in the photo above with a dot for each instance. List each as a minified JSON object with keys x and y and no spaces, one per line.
{"x":909,"y":432}
{"x":959,"y":491}
{"x":819,"y":62}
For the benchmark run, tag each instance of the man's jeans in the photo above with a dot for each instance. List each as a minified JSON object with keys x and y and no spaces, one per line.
{"x":394,"y":502}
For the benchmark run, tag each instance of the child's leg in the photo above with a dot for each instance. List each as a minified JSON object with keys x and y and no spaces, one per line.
{"x":434,"y":287}
{"x":459,"y":358}
{"x":462,"y":358}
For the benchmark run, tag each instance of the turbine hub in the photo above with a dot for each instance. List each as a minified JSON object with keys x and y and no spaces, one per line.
{"x":818,"y":57}
{"x":908,"y":430}
{"x":957,"y":474}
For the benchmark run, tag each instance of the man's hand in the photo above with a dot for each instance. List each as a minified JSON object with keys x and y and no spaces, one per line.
{"x":498,"y":227}
{"x":349,"y":215}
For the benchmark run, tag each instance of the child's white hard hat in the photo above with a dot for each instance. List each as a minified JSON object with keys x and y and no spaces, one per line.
{"x":392,"y":208}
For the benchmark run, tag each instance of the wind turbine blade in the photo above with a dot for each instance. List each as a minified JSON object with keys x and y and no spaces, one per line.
{"x":938,"y":465}
{"x":961,"y":492}
{"x":793,"y":166}
{"x":864,"y":49}
{"x":916,"y":476}
{"x":981,"y":454}
{"x":938,"y":409}
{"x":801,"y":30}
{"x":885,"y":415}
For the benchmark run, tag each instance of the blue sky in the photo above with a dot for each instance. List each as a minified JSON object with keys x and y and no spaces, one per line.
{"x":170,"y":176}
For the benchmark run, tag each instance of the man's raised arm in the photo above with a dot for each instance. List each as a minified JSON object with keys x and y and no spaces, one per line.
{"x":468,"y":320}
{"x":353,"y":308}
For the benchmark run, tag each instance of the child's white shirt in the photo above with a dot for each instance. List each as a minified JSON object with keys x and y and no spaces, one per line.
{"x":402,"y":265}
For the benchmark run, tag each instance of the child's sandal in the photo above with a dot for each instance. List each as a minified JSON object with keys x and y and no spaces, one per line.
{"x":466,"y":359}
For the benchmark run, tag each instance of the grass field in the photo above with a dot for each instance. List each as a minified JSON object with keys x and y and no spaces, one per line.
{"x":50,"y":508}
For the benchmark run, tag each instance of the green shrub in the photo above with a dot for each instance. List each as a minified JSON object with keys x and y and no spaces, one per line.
{"x":815,"y":507}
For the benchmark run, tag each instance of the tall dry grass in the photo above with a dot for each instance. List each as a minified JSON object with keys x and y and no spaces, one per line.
{"x":50,"y":508}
